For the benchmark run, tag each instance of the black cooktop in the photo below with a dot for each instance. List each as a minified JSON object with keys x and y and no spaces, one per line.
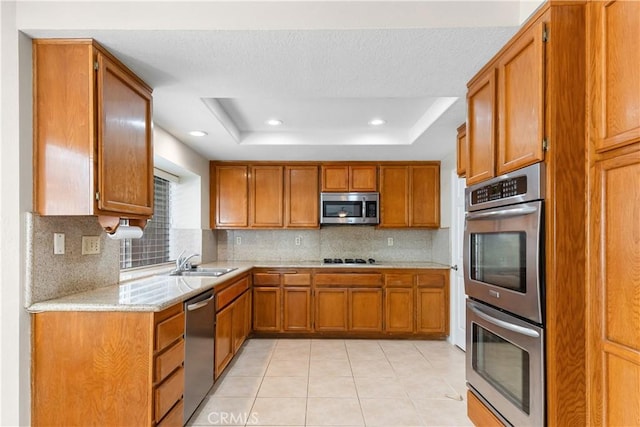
{"x":348,"y":261}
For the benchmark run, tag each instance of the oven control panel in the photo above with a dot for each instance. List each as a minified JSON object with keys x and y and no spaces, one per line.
{"x":520,"y":186}
{"x":500,"y":190}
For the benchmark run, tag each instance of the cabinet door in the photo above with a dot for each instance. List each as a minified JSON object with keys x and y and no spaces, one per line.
{"x":239,"y":317}
{"x":365,"y":310}
{"x":394,"y":196}
{"x":461,"y":150}
{"x":614,"y":292}
{"x":399,"y":312}
{"x":266,"y":196}
{"x":301,"y":196}
{"x":330,"y":309}
{"x":232,"y":196}
{"x":296,"y":309}
{"x":614,"y":73}
{"x":521,"y":102}
{"x":266,"y":309}
{"x":335,"y":178}
{"x":431,"y":310}
{"x":125,"y":150}
{"x":481,"y":129}
{"x":363,"y":178}
{"x":425,"y":196}
{"x":224,"y":339}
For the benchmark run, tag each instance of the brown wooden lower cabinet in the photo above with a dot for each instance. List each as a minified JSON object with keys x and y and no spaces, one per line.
{"x":365,"y":310}
{"x":331,"y":309}
{"x":296,"y":309}
{"x":233,"y":323}
{"x":108,"y":368}
{"x":266,"y":309}
{"x":399,"y":310}
{"x":223,"y":340}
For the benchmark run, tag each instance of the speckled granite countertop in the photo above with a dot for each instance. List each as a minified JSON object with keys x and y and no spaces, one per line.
{"x":157,"y":292}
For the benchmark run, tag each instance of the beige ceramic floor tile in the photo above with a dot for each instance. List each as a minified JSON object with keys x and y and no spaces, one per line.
{"x":330,"y":368}
{"x":372,"y":368}
{"x":237,"y":387}
{"x":411,"y":368}
{"x":223,"y":411}
{"x":334,"y":412}
{"x":376,"y":387}
{"x":247,"y":368}
{"x":283,"y":387}
{"x":427,"y":387}
{"x":288,"y":368}
{"x":332,"y":387}
{"x":437,"y":412}
{"x":278,"y":411}
{"x":389,"y":412}
{"x":290,"y":354}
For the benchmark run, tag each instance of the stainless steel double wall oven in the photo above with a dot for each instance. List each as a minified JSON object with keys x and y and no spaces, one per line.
{"x":504,"y":279}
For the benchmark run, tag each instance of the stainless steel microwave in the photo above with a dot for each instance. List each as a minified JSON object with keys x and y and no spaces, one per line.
{"x":349,"y":208}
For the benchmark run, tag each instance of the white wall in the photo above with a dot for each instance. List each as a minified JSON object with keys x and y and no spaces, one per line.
{"x":173,"y":156}
{"x":527,"y":7}
{"x":15,"y":200}
{"x":446,"y":165}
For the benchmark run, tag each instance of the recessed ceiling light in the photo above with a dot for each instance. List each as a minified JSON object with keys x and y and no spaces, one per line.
{"x":274,"y":122}
{"x":198,"y":133}
{"x":377,"y":122}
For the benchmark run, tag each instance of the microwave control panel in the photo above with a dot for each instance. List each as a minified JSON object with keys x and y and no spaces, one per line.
{"x":500,"y":190}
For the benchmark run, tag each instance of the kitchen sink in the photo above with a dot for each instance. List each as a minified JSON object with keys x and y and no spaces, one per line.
{"x":203,"y":271}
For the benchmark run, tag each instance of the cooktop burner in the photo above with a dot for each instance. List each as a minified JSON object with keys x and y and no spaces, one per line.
{"x":348,"y":261}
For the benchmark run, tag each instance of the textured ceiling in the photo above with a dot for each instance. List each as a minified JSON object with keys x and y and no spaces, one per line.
{"x":323,"y":82}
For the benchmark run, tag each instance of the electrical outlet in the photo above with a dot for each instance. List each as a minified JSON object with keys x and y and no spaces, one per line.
{"x":238,"y":240}
{"x":389,"y":241}
{"x":58,"y":243}
{"x":298,"y":240}
{"x":90,"y":245}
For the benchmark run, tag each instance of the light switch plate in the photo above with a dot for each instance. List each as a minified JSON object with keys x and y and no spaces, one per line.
{"x":90,"y":245}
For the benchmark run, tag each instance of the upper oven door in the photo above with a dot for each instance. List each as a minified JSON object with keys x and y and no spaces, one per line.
{"x":503,"y":256}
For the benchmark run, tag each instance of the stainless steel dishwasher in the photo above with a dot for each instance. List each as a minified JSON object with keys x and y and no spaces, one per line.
{"x":199,"y":350}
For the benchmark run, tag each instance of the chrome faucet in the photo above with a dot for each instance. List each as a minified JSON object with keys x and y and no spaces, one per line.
{"x":182,"y":262}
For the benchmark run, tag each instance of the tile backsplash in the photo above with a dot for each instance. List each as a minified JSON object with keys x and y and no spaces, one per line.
{"x":52,"y":276}
{"x":334,"y":242}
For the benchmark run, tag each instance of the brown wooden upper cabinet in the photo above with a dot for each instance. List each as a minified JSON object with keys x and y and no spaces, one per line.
{"x":506,"y":102}
{"x":264,"y":196}
{"x":93,"y":151}
{"x":461,"y":150}
{"x":615,"y":78}
{"x":410,"y":195}
{"x":345,"y":178}
{"x":231,"y":196}
{"x":301,"y":196}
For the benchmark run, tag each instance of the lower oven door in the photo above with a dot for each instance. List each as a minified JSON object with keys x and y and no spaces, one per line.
{"x":505,"y":364}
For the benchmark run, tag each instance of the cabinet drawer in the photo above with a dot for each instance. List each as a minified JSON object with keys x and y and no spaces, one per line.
{"x":266,"y":279}
{"x":175,"y":416}
{"x":297,"y":279}
{"x":169,"y":330}
{"x":168,"y":393}
{"x":348,"y":279}
{"x":168,"y":361}
{"x":398,"y":280}
{"x":227,"y":295}
{"x":431,"y":280}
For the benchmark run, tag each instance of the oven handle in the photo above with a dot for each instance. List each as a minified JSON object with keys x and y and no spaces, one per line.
{"x":514,"y":328}
{"x":503,"y":213}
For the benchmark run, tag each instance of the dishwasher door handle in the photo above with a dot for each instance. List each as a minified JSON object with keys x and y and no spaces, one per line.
{"x":199,"y":304}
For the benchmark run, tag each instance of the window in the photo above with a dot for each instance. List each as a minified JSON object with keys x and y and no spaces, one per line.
{"x":153,"y":247}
